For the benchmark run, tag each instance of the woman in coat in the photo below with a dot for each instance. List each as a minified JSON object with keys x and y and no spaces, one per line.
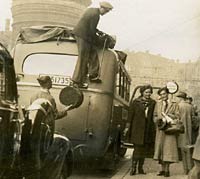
{"x":166,"y":150}
{"x":142,"y":128}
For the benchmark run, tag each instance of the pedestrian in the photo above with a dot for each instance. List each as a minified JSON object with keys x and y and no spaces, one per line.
{"x":166,"y":150}
{"x":142,"y":128}
{"x":195,"y":120}
{"x":85,"y":34}
{"x":44,"y":93}
{"x":47,"y":149}
{"x":195,"y":172}
{"x":185,"y":139}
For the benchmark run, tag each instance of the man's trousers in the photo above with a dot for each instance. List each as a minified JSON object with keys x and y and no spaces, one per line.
{"x":87,"y":62}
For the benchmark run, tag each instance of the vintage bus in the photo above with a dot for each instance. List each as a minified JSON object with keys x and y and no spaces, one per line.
{"x":96,"y":127}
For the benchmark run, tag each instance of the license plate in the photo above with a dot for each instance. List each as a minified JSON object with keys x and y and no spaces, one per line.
{"x":60,"y":80}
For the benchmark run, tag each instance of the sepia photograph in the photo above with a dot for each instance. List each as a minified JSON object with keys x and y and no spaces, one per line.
{"x":99,"y":89}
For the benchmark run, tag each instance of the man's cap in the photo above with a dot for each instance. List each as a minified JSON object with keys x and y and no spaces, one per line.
{"x":105,"y":4}
{"x":43,"y":79}
{"x":181,"y":94}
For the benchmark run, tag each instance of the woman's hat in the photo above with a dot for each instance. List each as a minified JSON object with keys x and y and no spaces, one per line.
{"x":181,"y":94}
{"x":145,"y":87}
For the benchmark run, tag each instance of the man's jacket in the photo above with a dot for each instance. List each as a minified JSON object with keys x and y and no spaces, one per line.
{"x":86,"y":28}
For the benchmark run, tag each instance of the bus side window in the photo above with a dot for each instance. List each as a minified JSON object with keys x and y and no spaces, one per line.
{"x":122,"y":84}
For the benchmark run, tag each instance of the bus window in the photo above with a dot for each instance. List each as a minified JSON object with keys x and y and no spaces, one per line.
{"x":123,"y":84}
{"x":58,"y":64}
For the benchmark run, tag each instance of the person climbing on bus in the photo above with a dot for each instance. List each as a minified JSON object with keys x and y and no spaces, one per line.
{"x":85,"y":34}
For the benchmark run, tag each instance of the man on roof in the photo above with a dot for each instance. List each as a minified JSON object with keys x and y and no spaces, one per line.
{"x":85,"y":34}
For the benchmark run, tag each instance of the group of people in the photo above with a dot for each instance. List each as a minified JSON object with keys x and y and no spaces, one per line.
{"x":148,"y":131}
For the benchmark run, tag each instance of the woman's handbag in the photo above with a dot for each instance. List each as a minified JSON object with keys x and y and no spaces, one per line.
{"x":174,"y":128}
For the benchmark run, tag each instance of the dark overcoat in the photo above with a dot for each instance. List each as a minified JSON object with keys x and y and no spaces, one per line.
{"x":86,"y":28}
{"x":142,"y":127}
{"x":186,"y":112}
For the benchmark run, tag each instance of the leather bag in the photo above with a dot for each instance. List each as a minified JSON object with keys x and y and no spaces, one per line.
{"x":174,"y":128}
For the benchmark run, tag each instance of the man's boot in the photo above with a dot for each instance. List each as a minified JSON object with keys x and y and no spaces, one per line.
{"x":133,"y":167}
{"x":140,"y":166}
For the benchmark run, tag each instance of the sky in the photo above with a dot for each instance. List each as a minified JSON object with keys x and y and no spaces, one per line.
{"x":170,"y":28}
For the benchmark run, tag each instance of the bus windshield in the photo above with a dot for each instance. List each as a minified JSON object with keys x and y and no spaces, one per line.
{"x":46,"y":63}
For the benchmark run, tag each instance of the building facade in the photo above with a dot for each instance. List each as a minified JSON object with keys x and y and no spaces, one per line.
{"x":146,"y":68}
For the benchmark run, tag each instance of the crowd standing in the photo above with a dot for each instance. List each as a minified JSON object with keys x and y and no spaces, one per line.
{"x":166,"y":130}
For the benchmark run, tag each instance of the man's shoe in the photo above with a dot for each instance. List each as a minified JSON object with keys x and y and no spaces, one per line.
{"x":95,"y":80}
{"x":166,"y":174}
{"x":186,"y":171}
{"x":83,"y":85}
{"x":133,"y":171}
{"x":161,"y":173}
{"x":141,"y":171}
{"x":93,"y":76}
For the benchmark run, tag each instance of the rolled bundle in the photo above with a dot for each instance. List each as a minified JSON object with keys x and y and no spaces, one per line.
{"x":71,"y":96}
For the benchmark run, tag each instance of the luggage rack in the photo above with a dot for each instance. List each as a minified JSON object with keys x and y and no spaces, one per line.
{"x":36,"y":34}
